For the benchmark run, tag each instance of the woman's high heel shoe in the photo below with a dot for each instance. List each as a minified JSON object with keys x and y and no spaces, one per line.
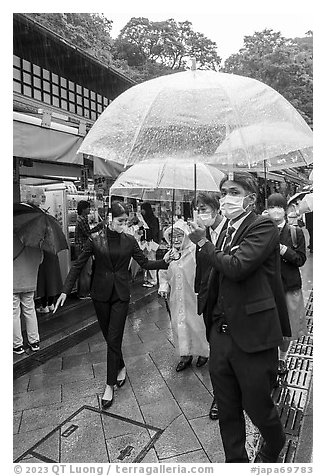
{"x":106,"y":403}
{"x":122,"y":381}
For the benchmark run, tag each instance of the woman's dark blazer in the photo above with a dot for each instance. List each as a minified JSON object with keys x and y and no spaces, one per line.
{"x":293,"y":258}
{"x":106,"y":276}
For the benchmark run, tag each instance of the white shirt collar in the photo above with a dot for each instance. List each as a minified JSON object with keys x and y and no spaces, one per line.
{"x":219,"y":227}
{"x":281,"y":225}
{"x":237,"y":224}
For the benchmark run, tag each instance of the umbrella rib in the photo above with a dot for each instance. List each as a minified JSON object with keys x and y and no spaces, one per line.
{"x":136,"y":134}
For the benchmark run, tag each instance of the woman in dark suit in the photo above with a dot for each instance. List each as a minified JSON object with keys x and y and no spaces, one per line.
{"x":110,"y":290}
{"x":293,"y":256}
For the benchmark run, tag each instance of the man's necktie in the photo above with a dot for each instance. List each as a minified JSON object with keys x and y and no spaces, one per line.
{"x":228,"y":239}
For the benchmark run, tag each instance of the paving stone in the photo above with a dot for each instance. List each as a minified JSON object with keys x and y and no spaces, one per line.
{"x":37,"y":398}
{"x":23,"y":441}
{"x":135,"y":441}
{"x":193,"y":457}
{"x":160,"y":413}
{"x":87,"y":443}
{"x":100,"y":371}
{"x":58,"y":378}
{"x":93,"y":357}
{"x":133,"y":349}
{"x":21,"y":384}
{"x":50,"y":447}
{"x":16,"y":421}
{"x":52,"y":365}
{"x":208,"y":433}
{"x":97,"y":346}
{"x":150,"y":457}
{"x":189,"y":385}
{"x":73,"y":390}
{"x":41,"y":417}
{"x":178,"y":438}
{"x":80,"y":348}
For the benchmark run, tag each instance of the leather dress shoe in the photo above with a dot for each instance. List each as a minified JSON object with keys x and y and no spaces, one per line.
{"x":183,"y":364}
{"x":105,"y":404}
{"x":201,"y":361}
{"x":120,"y":383}
{"x":213,"y":412}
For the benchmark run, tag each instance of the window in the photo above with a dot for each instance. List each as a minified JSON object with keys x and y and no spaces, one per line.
{"x":27,"y":78}
{"x":17,"y":74}
{"x":46,"y":74}
{"x":27,"y":91}
{"x":27,"y":66}
{"x":16,"y":61}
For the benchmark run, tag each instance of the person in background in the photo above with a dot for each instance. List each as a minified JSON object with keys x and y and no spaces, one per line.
{"x":110,"y":289}
{"x":177,"y":283}
{"x":208,"y":206}
{"x":293,"y":256}
{"x":25,"y":268}
{"x":152,"y":237}
{"x":82,"y":234}
{"x":248,"y":319}
{"x":49,"y":281}
{"x":306,"y":208}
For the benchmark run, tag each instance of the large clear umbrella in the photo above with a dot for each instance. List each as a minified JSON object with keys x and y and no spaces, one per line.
{"x":189,"y":115}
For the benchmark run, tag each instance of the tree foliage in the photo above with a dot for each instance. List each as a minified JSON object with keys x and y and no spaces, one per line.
{"x":88,"y":31}
{"x":168,"y":44}
{"x":284,"y":64}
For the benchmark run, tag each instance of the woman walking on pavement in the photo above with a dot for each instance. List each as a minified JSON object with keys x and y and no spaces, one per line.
{"x":188,"y":327}
{"x":293,"y":256}
{"x":110,"y":291}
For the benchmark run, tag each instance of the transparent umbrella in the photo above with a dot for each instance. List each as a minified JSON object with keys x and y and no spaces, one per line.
{"x":189,"y":115}
{"x":167,"y":180}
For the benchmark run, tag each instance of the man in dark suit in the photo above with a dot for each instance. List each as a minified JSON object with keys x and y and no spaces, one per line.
{"x":208,"y":206}
{"x":249,"y":318}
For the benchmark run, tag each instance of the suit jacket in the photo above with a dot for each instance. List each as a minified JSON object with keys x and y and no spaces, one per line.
{"x":203,"y":270}
{"x":246,"y":284}
{"x":105,"y":275}
{"x":292,"y":259}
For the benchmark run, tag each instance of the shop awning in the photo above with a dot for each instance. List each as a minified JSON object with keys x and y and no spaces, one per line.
{"x":57,"y":143}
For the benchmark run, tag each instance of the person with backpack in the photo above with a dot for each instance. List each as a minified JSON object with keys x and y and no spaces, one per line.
{"x":293,"y":256}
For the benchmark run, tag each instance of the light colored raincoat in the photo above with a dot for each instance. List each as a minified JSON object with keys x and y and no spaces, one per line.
{"x":188,"y":327}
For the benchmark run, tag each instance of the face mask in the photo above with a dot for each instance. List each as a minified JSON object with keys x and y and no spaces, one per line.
{"x":207,"y":219}
{"x":232,"y":207}
{"x":117,"y":226}
{"x":276,"y":213}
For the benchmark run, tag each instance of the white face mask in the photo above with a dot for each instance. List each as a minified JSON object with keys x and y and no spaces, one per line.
{"x":232,"y":207}
{"x":117,"y":226}
{"x":276,"y":213}
{"x":207,"y":219}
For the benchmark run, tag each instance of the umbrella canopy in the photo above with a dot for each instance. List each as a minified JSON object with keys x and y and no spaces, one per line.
{"x":280,"y":144}
{"x":157,"y":180}
{"x":38,"y":229}
{"x":188,"y":115}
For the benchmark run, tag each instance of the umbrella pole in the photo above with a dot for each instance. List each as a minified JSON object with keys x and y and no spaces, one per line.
{"x":265,"y":184}
{"x":195,"y":193}
{"x":173,"y":196}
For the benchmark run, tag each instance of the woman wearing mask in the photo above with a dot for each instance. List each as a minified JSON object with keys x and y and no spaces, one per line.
{"x":188,"y":328}
{"x":152,"y":238}
{"x":293,"y":256}
{"x":112,"y":250}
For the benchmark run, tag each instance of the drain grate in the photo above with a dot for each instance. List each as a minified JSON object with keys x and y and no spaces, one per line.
{"x":309,"y":325}
{"x":290,"y":397}
{"x":90,"y":435}
{"x":305,"y":340}
{"x":288,"y":453}
{"x":301,"y":349}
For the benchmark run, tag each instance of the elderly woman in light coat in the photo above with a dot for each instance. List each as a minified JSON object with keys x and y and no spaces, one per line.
{"x":178,"y":282}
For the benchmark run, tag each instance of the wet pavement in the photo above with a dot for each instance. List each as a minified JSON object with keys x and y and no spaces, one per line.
{"x":159,"y":415}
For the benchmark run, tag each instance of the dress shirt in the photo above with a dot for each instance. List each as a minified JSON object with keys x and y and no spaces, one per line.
{"x":235,"y":226}
{"x":215,"y":233}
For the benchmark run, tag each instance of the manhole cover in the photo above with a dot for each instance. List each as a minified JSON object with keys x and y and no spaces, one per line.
{"x":92,"y":436}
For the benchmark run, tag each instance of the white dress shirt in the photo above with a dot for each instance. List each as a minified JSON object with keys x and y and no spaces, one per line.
{"x":215,"y":233}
